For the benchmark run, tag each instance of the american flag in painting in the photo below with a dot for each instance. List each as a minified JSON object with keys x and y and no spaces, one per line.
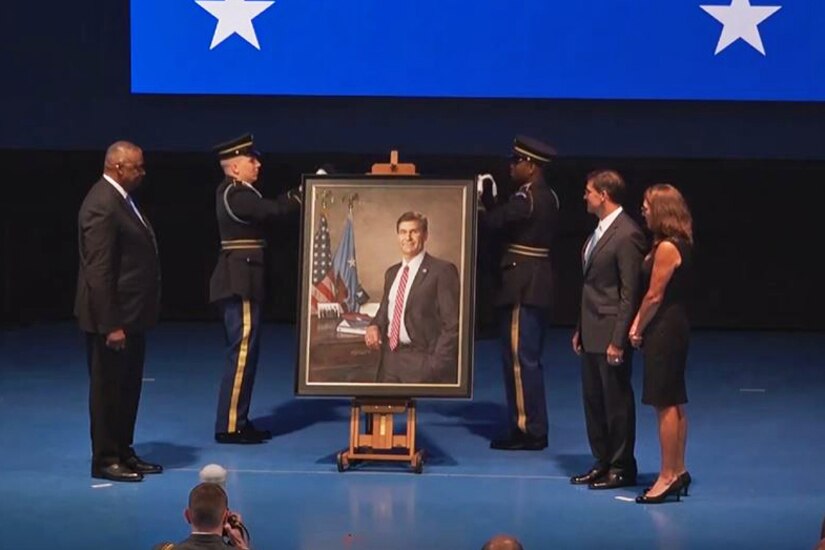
{"x":323,"y":280}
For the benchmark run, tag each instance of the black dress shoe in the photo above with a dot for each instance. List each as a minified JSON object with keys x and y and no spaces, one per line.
{"x":139,"y":465}
{"x":116,"y":472}
{"x":614,"y":481}
{"x":520,"y":442}
{"x":238,"y":438}
{"x":251,"y":432}
{"x":589,"y":477}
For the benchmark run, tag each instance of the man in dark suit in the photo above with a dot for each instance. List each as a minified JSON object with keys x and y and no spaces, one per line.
{"x":416,"y":327}
{"x":117,"y":301}
{"x":237,"y":284}
{"x":528,"y":221}
{"x":611,"y":259}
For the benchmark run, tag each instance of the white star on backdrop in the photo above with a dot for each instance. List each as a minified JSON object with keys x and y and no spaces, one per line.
{"x":235,"y":17}
{"x":740,"y":20}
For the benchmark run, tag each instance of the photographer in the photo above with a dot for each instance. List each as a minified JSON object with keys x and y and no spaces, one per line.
{"x":212,"y":522}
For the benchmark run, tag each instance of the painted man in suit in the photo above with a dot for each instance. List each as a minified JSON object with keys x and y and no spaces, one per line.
{"x":611,"y":259}
{"x":416,"y":327}
{"x":117,"y":301}
{"x":237,"y":284}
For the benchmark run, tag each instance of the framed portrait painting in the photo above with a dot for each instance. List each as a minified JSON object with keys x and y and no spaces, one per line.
{"x":387,"y":287}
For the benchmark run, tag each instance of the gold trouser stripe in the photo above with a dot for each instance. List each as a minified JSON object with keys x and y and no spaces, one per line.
{"x":239,"y":368}
{"x":514,"y":336}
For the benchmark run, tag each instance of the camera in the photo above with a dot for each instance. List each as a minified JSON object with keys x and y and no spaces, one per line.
{"x":235,"y":523}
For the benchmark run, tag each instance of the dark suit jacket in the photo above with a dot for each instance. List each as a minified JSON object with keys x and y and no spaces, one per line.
{"x":118,"y":282}
{"x":431,"y":314}
{"x":612,"y":286}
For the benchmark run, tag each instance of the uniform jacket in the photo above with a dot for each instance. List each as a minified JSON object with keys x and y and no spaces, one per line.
{"x":528,"y":219}
{"x":242,"y":214}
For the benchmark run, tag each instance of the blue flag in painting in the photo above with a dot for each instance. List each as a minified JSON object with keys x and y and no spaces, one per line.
{"x":346,"y":269}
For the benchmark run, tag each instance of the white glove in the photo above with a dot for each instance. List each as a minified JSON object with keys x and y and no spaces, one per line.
{"x":480,"y":184}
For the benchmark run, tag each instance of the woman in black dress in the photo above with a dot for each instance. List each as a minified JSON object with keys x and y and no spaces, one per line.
{"x":661,"y":329}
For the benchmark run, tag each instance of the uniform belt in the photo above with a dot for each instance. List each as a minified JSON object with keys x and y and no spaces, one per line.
{"x":532,"y":251}
{"x":243,"y":244}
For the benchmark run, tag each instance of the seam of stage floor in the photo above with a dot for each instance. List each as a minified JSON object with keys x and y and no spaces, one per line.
{"x":375,"y":473}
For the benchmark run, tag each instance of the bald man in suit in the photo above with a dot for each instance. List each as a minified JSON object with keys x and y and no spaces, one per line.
{"x":117,"y":301}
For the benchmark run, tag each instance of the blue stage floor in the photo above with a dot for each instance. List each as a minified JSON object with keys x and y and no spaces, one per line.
{"x":756,"y":449}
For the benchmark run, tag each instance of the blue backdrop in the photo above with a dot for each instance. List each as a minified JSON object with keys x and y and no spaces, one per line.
{"x":595,"y":49}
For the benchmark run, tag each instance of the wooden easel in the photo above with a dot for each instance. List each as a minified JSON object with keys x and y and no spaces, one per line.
{"x":379,"y":442}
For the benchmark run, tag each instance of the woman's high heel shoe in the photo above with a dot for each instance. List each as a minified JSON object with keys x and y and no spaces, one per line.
{"x":685,"y":480}
{"x":675,"y":488}
{"x":684,"y":477}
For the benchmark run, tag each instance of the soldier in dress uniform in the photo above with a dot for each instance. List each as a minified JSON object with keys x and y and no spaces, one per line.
{"x":237,"y":283}
{"x":528,"y":221}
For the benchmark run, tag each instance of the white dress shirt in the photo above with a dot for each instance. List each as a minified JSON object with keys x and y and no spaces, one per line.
{"x":601,"y":228}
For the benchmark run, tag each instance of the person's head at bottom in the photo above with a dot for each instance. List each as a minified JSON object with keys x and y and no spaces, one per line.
{"x":208,"y":509}
{"x":503,"y":542}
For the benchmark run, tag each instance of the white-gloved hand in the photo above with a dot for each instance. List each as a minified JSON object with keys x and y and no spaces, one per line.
{"x":481,"y":178}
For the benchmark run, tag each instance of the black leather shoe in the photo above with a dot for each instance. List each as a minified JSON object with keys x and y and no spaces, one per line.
{"x":139,"y":465}
{"x":251,"y":432}
{"x":520,"y":442}
{"x":237,"y":438}
{"x":614,"y":481}
{"x":594,"y":474}
{"x":116,"y":472}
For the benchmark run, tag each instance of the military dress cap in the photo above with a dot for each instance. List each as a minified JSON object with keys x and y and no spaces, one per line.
{"x":241,"y":145}
{"x":532,"y":149}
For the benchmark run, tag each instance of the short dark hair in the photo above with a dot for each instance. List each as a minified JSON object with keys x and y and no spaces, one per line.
{"x":207,"y":504}
{"x":609,"y":182}
{"x":412,"y":217}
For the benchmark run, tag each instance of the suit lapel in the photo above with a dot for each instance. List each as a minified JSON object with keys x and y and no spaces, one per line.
{"x":145,"y":227}
{"x":423,"y":270}
{"x":603,"y":241}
